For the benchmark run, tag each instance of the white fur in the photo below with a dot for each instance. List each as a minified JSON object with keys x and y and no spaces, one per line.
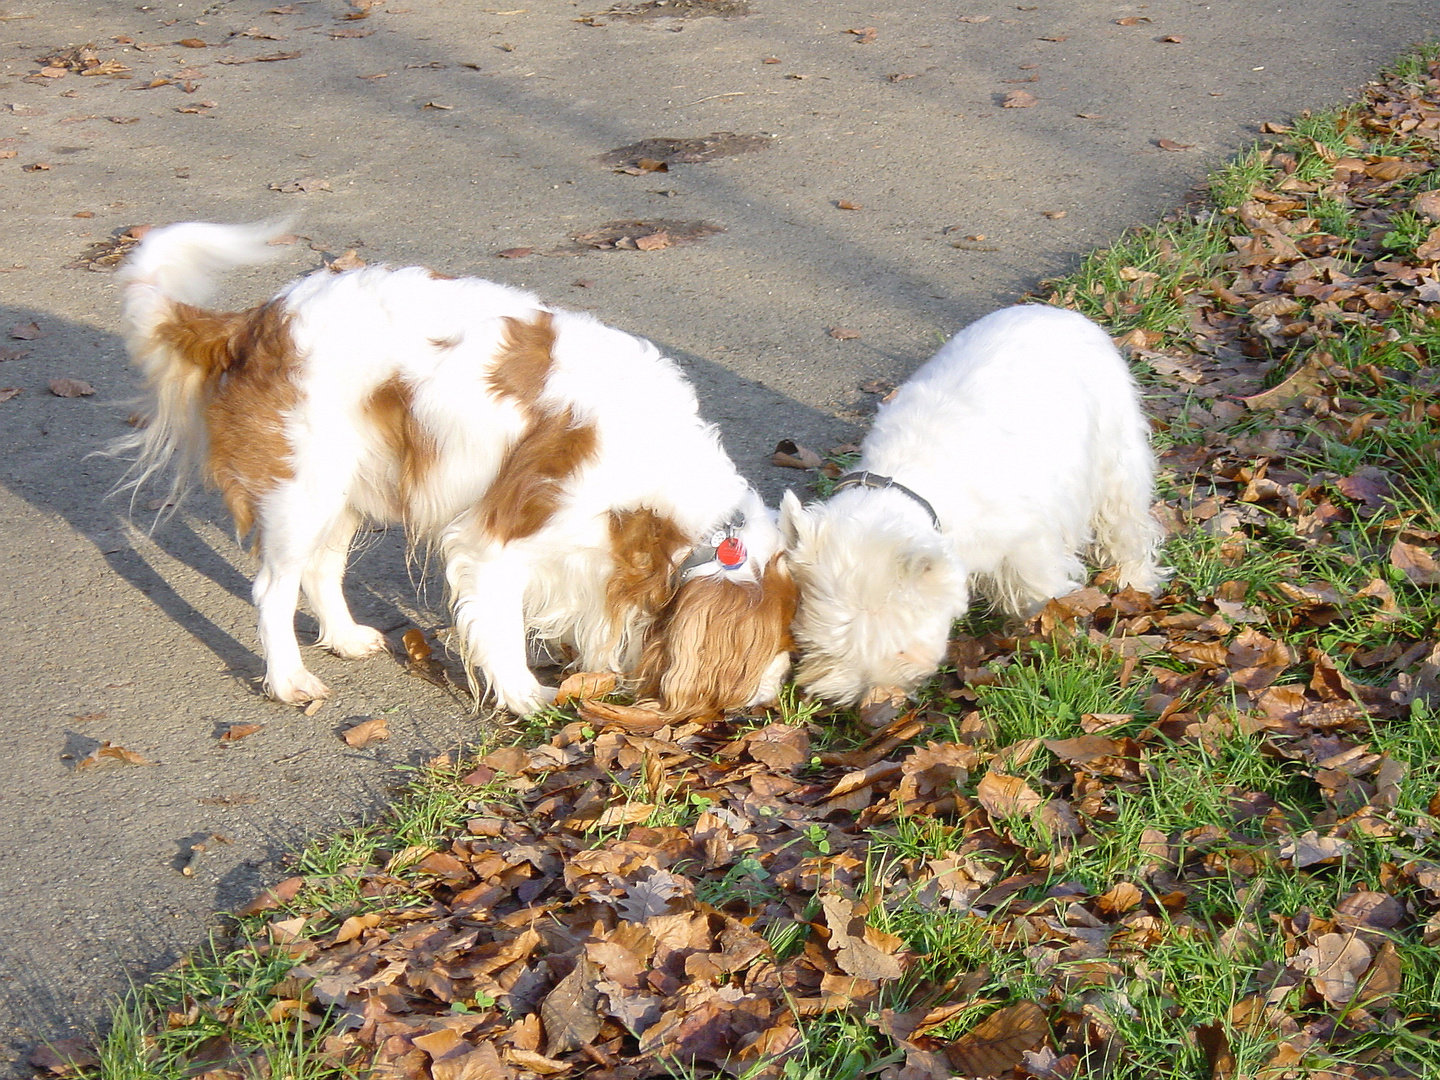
{"x":1024,"y":432}
{"x":358,"y":329}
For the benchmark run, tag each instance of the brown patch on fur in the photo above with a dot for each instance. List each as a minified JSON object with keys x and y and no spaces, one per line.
{"x":523,"y":364}
{"x":714,"y":641}
{"x":644,"y":545}
{"x":206,"y":339}
{"x":554,"y":445}
{"x":391,"y":408}
{"x":247,"y":359}
{"x":452,"y":342}
{"x":528,"y":487}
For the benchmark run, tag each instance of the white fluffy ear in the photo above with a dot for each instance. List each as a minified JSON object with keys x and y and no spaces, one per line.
{"x":917,"y":563}
{"x":797,"y":525}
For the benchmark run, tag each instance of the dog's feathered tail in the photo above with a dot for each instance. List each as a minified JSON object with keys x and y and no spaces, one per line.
{"x":180,"y":349}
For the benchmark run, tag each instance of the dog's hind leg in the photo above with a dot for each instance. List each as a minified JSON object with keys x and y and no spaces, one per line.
{"x":321,"y":582}
{"x":488,"y":593}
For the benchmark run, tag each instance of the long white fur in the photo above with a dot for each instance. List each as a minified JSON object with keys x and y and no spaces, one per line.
{"x":355,"y":331}
{"x":1025,"y":434}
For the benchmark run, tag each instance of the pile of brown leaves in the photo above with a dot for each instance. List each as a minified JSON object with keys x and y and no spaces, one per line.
{"x":560,"y":935}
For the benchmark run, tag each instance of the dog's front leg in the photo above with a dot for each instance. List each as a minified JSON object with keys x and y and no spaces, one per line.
{"x":277,"y":589}
{"x":489,"y":598}
{"x":322,"y":583}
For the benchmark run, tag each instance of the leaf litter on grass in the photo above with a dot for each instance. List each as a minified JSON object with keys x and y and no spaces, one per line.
{"x":1187,"y":835}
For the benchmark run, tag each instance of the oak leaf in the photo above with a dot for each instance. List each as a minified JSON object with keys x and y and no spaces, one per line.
{"x":995,"y":1046}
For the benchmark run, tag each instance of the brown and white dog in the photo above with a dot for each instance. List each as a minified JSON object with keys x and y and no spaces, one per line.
{"x":560,"y":467}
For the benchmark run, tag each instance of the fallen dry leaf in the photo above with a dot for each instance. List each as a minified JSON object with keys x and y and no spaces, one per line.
{"x":1427,"y":205}
{"x":1019,"y":99}
{"x":658,"y":154}
{"x":569,"y":1011}
{"x":108,"y":752}
{"x":1416,"y":563}
{"x":369,"y":731}
{"x":861,"y":950}
{"x":351,"y":260}
{"x":996,"y":1045}
{"x":1335,"y":964}
{"x":1173,"y":146}
{"x":71,"y":388}
{"x":1006,"y":796}
{"x":584,"y":685}
{"x":236,"y":732}
{"x":274,"y":897}
{"x":26,"y":331}
{"x":63,"y":1057}
{"x":1310,"y":848}
{"x":791,"y":455}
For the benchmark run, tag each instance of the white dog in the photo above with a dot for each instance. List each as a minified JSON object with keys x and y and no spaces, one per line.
{"x":1019,"y":446}
{"x":560,"y":467}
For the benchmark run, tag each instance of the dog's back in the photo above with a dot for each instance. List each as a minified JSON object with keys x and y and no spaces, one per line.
{"x":1028,"y":411}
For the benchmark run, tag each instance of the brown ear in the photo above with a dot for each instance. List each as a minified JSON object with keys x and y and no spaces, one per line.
{"x":715,"y":640}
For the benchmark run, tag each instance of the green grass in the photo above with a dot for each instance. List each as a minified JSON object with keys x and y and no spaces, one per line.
{"x":1044,"y":695}
{"x":1140,"y":283}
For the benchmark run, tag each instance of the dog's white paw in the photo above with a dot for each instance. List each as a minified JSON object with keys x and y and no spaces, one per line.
{"x":531,"y":700}
{"x":298,"y":688}
{"x":355,"y":642}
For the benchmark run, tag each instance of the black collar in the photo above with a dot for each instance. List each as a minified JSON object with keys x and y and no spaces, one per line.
{"x":875,"y":480}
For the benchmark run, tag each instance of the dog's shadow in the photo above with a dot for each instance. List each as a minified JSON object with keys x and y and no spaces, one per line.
{"x":178,"y":558}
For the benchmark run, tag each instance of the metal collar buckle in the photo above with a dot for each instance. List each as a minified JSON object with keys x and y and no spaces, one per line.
{"x":723,"y":547}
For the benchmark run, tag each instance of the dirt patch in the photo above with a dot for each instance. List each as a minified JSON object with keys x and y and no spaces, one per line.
{"x":643,"y":235}
{"x":679,"y":9}
{"x":717,"y":144}
{"x":105,"y":255}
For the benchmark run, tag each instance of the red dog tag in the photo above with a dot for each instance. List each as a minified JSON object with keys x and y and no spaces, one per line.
{"x":730,"y":553}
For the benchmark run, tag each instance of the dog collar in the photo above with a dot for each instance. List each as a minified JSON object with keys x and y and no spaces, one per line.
{"x":875,"y":480}
{"x":722,"y":548}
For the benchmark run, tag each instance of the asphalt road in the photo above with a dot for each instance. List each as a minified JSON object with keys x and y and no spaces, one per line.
{"x":438,"y":132}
